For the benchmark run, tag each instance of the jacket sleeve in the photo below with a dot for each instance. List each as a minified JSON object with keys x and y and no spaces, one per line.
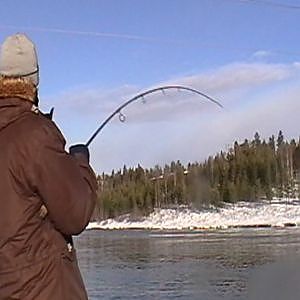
{"x":66,"y":185}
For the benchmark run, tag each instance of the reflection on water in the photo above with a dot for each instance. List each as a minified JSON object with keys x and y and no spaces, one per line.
{"x":239,"y":264}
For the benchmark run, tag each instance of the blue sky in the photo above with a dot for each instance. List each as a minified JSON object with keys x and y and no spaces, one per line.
{"x":95,"y":54}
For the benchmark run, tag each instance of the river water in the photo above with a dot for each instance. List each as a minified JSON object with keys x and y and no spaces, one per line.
{"x":209,"y":265}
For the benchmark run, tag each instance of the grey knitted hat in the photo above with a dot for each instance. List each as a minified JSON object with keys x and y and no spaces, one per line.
{"x":18,"y":58}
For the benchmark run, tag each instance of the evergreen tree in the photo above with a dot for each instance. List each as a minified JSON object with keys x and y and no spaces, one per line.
{"x":248,"y":171}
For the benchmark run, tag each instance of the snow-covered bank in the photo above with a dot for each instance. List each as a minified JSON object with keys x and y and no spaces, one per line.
{"x":277,"y":213}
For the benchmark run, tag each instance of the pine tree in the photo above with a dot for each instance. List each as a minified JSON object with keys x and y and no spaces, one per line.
{"x":248,"y":171}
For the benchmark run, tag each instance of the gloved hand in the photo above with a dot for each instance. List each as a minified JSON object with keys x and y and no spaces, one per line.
{"x":80,"y":151}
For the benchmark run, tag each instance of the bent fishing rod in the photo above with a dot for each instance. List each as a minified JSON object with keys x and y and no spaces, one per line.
{"x":141,"y":96}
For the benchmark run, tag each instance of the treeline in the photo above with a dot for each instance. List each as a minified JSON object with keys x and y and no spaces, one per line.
{"x":256,"y":169}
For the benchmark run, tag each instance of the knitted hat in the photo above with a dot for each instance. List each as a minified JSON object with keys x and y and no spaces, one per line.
{"x":18,"y":58}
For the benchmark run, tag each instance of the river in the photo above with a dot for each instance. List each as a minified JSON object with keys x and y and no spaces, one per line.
{"x":209,"y":265}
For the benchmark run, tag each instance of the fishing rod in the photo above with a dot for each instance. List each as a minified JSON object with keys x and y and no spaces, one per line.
{"x":142,"y":95}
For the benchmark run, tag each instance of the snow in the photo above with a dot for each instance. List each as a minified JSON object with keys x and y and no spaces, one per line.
{"x":277,"y":213}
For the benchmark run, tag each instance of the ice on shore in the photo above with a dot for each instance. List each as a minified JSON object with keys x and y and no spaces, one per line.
{"x":278,"y":213}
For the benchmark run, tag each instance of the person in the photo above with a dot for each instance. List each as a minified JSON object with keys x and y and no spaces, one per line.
{"x":46,"y":194}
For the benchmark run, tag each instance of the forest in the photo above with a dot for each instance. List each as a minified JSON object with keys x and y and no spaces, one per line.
{"x":248,"y":171}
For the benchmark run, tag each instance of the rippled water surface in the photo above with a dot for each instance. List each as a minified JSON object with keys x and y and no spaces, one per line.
{"x":239,"y":264}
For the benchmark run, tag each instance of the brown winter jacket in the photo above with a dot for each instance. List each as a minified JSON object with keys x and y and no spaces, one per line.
{"x":35,"y":170}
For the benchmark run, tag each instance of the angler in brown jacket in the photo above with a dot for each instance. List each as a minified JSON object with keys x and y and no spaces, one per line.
{"x":36,"y":260}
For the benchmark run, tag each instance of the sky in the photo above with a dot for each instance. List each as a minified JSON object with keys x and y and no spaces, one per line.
{"x":94,"y":55}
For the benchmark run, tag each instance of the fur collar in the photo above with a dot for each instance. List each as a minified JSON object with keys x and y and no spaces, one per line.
{"x":17,"y":88}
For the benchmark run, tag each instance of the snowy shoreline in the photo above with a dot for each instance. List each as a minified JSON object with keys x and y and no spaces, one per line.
{"x":277,"y":213}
